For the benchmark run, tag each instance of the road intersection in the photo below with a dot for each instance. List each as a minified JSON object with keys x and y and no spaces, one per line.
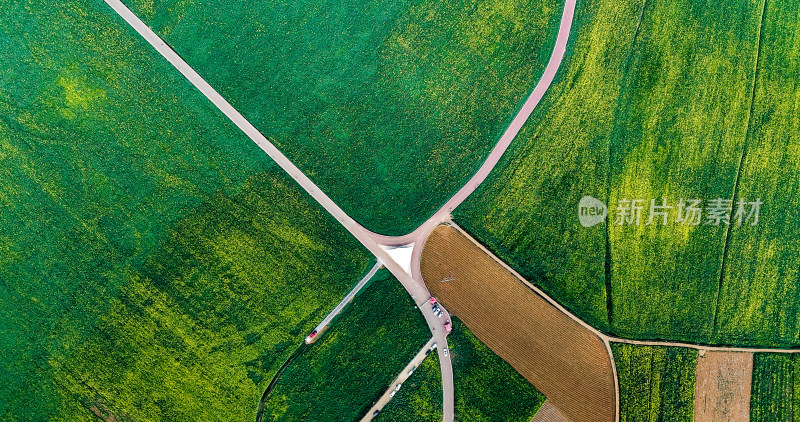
{"x":374,"y":242}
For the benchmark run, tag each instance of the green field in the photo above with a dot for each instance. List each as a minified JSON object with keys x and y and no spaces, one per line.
{"x":775,"y":393}
{"x":759,"y":292}
{"x":656,"y":384}
{"x":420,"y":399}
{"x":396,"y":101}
{"x":524,"y":211}
{"x":654,"y":101}
{"x":153,"y":263}
{"x":341,"y":375}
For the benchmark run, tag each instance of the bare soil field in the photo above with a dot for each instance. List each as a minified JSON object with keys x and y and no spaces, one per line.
{"x":722,"y":391}
{"x":568,"y":363}
{"x":549,"y":413}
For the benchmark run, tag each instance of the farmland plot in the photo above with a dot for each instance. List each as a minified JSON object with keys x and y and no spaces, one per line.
{"x":154,"y":265}
{"x":723,"y":387}
{"x":776,"y":388}
{"x":656,"y":384}
{"x":564,"y":360}
{"x":759,"y":301}
{"x":338,"y":377}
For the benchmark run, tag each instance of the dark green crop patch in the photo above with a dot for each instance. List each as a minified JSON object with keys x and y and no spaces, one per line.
{"x":154,"y":265}
{"x":656,"y":384}
{"x":396,"y":101}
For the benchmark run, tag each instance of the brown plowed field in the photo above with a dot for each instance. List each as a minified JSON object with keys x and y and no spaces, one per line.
{"x":564,"y":360}
{"x":722,"y":389}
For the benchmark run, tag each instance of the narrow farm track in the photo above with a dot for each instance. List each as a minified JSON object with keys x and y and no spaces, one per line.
{"x":347,"y":299}
{"x":412,"y":283}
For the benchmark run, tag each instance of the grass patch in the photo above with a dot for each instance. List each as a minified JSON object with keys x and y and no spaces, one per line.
{"x":396,"y":101}
{"x":775,"y":394}
{"x":342,"y":374}
{"x":153,"y":264}
{"x":655,"y":383}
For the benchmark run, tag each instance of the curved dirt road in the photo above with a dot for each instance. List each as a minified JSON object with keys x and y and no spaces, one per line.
{"x":421,"y":232}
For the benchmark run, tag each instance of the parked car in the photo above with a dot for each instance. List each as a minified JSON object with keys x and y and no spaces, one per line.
{"x":397,"y":387}
{"x":412,"y":371}
{"x":392,"y":393}
{"x":375,"y":413}
{"x":445,"y":351}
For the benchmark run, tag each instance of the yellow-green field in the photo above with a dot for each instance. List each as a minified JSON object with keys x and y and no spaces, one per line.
{"x":664,"y":101}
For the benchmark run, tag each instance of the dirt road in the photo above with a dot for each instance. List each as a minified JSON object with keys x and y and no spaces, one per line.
{"x":415,"y":286}
{"x":347,"y":299}
{"x":421,"y":232}
{"x":417,"y":290}
{"x":401,"y":378}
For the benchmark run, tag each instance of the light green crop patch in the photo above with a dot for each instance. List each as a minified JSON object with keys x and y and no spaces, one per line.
{"x":79,"y":95}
